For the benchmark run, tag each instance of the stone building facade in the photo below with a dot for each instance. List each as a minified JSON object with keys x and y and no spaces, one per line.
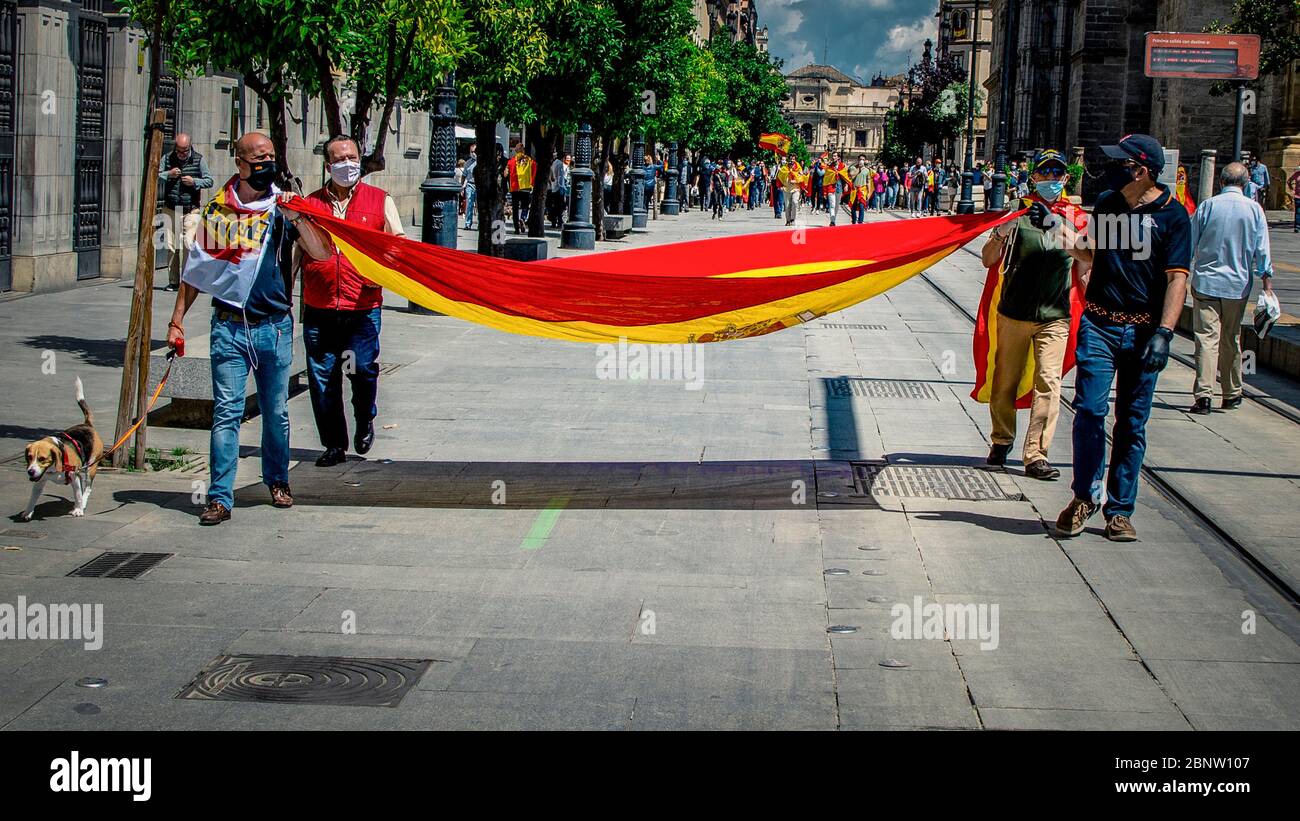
{"x":1079,"y":80}
{"x":966,"y":29}
{"x":832,"y":111}
{"x":73,"y":92}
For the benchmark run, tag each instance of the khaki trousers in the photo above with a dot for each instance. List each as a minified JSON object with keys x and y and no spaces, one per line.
{"x":1216,"y":325}
{"x":178,"y":251}
{"x":1016,"y":339}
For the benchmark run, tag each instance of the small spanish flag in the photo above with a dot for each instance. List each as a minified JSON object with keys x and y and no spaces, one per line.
{"x":777,"y":142}
{"x":1181,"y":193}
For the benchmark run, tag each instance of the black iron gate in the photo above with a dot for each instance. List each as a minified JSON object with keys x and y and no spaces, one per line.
{"x":88,"y":203}
{"x":8,"y":117}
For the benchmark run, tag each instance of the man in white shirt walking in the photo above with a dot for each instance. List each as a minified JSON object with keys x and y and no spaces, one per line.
{"x":1229,"y":247}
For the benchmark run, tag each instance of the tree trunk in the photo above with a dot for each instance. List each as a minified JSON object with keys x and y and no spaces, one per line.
{"x":279,"y":124}
{"x":329,"y":98}
{"x":543,"y":139}
{"x":620,"y":165}
{"x":374,"y":161}
{"x":491,"y":203}
{"x":600,"y":157}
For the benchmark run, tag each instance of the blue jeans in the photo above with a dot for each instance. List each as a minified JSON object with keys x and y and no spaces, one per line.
{"x":328,"y":336}
{"x":1297,"y":214}
{"x":859,"y":211}
{"x":471,"y":202}
{"x":232,"y":359}
{"x":1106,"y":352}
{"x":778,"y":201}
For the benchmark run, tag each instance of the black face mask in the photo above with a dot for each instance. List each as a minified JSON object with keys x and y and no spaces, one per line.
{"x":261,"y":174}
{"x":1118,"y":176}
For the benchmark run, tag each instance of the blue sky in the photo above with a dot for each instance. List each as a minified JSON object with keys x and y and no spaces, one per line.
{"x":859,"y":37}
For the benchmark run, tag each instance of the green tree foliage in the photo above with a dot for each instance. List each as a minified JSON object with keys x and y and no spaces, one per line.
{"x":1275,"y":23}
{"x":387,"y":51}
{"x":935,"y":114}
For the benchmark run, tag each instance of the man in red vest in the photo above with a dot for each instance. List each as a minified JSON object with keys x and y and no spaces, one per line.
{"x":341,"y":319}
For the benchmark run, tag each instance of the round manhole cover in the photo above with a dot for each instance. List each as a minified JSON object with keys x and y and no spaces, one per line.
{"x":841,"y":629}
{"x":93,"y":682}
{"x":836,"y":571}
{"x":895,"y":663}
{"x":87,"y":709}
{"x":307,"y":680}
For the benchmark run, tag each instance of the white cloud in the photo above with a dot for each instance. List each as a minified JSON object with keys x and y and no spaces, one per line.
{"x":904,"y":39}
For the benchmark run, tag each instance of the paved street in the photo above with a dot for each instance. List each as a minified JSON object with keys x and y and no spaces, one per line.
{"x":653,"y":563}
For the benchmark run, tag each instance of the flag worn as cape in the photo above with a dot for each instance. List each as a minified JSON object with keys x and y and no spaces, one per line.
{"x":777,"y":142}
{"x":985,"y":342}
{"x":231,"y":239}
{"x":701,"y":291}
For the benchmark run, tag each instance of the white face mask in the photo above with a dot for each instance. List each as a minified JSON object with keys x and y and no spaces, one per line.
{"x":346,"y":173}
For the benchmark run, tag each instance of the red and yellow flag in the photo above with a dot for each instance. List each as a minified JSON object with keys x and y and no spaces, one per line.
{"x":1181,"y":193}
{"x":985,"y":342}
{"x":779,"y":143}
{"x":701,"y":291}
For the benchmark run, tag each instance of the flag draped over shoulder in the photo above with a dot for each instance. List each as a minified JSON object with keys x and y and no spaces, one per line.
{"x":229,"y":244}
{"x":777,"y":142}
{"x":984,"y":343}
{"x":701,"y":291}
{"x":1181,"y":193}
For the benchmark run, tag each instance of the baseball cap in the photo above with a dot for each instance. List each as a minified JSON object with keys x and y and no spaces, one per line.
{"x":1141,"y":148}
{"x":1049,"y":156}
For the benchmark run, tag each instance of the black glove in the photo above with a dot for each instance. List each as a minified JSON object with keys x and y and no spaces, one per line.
{"x":1040,"y":216}
{"x":1156,"y":355}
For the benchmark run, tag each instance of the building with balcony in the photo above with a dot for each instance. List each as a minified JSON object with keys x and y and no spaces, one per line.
{"x":832,"y":111}
{"x":966,"y":34}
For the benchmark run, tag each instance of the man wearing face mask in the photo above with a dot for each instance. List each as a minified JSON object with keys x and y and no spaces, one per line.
{"x":242,"y":255}
{"x":341,"y":322}
{"x":1033,"y":317}
{"x":1139,"y":246}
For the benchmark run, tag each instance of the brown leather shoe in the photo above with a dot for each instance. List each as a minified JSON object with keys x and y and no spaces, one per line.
{"x":214,"y":514}
{"x":1120,"y":529}
{"x":280,"y":495}
{"x":1072,"y":519}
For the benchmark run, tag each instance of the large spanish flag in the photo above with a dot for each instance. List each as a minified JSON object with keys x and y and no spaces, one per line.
{"x":985,"y":342}
{"x":777,"y":142}
{"x":701,"y":291}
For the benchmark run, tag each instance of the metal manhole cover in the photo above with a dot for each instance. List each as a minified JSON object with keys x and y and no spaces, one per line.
{"x":306,"y":680}
{"x":852,"y":326}
{"x":115,"y":565}
{"x":956,"y":482}
{"x":881,"y":388}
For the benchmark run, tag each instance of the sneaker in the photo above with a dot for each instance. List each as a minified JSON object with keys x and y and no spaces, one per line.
{"x":280,"y":495}
{"x":998,"y":455}
{"x":214,"y":514}
{"x":1229,"y":404}
{"x":1072,"y":519}
{"x":1202,"y":406}
{"x":172,"y":288}
{"x":1042,"y":469}
{"x":1120,"y":529}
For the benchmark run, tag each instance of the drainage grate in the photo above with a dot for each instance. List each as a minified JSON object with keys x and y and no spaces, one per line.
{"x":928,"y":482}
{"x":13,"y":533}
{"x":881,"y":388}
{"x":306,"y":680}
{"x":850,"y":326}
{"x":120,"y":565}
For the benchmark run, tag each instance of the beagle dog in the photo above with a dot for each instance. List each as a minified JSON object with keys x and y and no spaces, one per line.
{"x":70,"y":458}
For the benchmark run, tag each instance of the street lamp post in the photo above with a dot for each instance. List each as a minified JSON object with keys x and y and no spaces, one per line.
{"x":671,"y":206}
{"x":966,"y":205}
{"x":1006,"y":101}
{"x":638,"y":181}
{"x":439,"y":188}
{"x":579,"y":232}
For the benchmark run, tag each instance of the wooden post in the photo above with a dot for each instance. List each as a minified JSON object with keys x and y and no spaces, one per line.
{"x":135,"y":364}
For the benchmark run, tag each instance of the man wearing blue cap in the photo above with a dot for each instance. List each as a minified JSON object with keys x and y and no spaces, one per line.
{"x":1140,"y":249}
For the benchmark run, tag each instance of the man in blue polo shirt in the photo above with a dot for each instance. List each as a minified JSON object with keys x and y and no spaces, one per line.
{"x":1139,"y":247}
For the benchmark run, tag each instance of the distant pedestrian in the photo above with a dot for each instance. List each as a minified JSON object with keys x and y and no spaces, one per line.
{"x":521,"y":171}
{"x":1259,"y":180}
{"x":468,"y":187}
{"x":1293,"y":185}
{"x":557,"y":194}
{"x":1229,"y":248}
{"x":1135,"y":295}
{"x":184,"y":174}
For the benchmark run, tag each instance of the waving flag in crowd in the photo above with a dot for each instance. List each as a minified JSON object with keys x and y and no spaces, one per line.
{"x":779,"y":143}
{"x":702,"y":291}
